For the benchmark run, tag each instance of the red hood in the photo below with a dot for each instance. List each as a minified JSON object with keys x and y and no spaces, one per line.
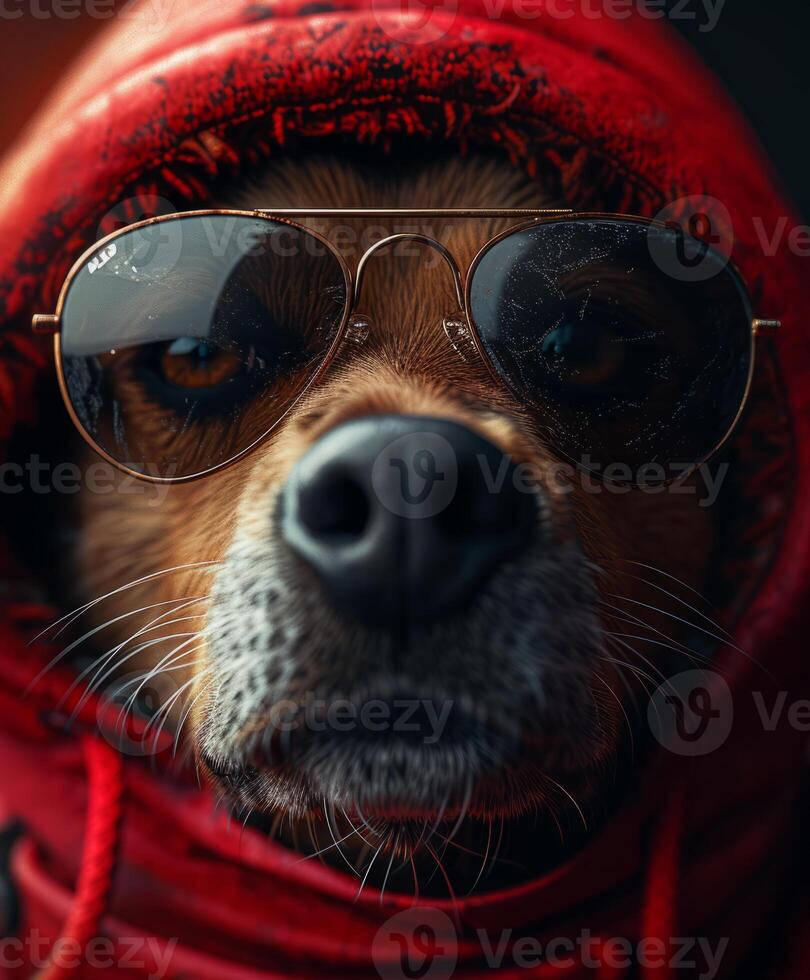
{"x":615,"y":114}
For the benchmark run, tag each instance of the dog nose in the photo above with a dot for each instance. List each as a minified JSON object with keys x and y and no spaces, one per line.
{"x":403,"y":518}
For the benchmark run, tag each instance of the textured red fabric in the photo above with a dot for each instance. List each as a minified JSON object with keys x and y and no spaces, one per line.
{"x":614,"y":114}
{"x":104,"y":766}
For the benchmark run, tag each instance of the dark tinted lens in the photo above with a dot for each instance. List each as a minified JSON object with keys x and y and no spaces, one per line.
{"x":184,"y":341}
{"x":624,"y":362}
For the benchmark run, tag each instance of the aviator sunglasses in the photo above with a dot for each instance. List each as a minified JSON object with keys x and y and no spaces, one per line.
{"x":182,"y":341}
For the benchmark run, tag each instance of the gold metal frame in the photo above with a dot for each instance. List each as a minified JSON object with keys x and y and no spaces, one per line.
{"x":526,"y":218}
{"x":758,"y":326}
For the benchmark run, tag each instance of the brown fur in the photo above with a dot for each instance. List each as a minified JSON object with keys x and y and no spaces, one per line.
{"x":406,"y":366}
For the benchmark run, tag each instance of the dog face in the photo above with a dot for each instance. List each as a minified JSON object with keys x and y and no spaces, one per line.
{"x":392,"y":610}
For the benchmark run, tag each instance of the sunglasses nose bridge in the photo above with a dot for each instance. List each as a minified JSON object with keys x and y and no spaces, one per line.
{"x":446,"y":254}
{"x":458,"y":332}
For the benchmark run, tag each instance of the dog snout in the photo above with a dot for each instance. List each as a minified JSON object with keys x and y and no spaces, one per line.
{"x":403,"y":518}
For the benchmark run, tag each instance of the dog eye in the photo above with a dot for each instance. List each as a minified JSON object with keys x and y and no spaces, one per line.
{"x":190,"y":362}
{"x":587,"y":354}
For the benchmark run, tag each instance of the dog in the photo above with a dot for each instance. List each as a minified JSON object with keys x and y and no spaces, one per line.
{"x":485,"y":726}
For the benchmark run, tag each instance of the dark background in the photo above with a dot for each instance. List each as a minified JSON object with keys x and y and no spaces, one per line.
{"x":759,"y":49}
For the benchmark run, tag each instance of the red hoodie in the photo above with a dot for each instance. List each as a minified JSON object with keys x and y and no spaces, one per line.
{"x":614,"y":114}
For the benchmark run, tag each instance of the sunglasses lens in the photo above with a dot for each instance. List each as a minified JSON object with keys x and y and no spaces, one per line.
{"x":185,"y":341}
{"x":634,"y":372}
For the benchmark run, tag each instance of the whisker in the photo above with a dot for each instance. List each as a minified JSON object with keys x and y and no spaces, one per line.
{"x":363,"y":821}
{"x":250,"y":810}
{"x":394,"y":849}
{"x":456,"y":846}
{"x":658,"y":676}
{"x":496,"y":852}
{"x":628,"y":689}
{"x":571,"y":798}
{"x":68,"y":618}
{"x":155,"y":671}
{"x":484,"y":858}
{"x":368,"y":871}
{"x":415,"y":876}
{"x":636,"y":671}
{"x":99,"y":682}
{"x":468,"y":791}
{"x":686,"y":622}
{"x":444,"y":875}
{"x":101,"y":675}
{"x":85,"y":636}
{"x":624,"y":712}
{"x":329,"y":847}
{"x":169,"y":668}
{"x":190,"y":706}
{"x":147,"y":628}
{"x":427,"y":834}
{"x":696,"y":658}
{"x":683,"y":602}
{"x":165,"y":711}
{"x":622,"y":615}
{"x":673,"y":578}
{"x":644,"y":677}
{"x":334,"y":838}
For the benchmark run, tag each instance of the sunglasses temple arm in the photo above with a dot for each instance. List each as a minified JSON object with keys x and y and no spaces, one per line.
{"x":43,"y":323}
{"x":765,"y":326}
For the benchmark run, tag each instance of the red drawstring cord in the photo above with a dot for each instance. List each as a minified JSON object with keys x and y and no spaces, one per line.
{"x":105,"y":772}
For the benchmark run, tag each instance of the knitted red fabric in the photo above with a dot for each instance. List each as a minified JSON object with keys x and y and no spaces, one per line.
{"x":611,"y":113}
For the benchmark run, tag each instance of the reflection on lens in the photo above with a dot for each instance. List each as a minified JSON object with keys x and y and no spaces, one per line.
{"x":184,"y":341}
{"x":625,"y":366}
